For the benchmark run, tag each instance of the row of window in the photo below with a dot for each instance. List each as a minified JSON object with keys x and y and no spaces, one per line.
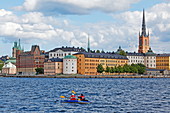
{"x":58,"y":54}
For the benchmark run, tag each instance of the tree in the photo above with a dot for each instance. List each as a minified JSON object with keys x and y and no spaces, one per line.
{"x":98,"y":51}
{"x":39,"y":71}
{"x":108,"y":69}
{"x":126,"y":68}
{"x":100,"y":68}
{"x":1,"y":64}
{"x":122,"y":53}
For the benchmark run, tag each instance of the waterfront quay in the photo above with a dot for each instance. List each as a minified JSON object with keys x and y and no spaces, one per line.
{"x":87,"y":76}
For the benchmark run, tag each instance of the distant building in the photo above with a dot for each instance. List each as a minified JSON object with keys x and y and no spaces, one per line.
{"x":150,"y":59}
{"x":64,"y":51}
{"x":87,"y":62}
{"x":163,"y":61}
{"x":27,"y":62}
{"x":157,"y":72}
{"x":135,"y":58}
{"x":70,"y":65}
{"x":15,"y":48}
{"x":143,"y":38}
{"x":12,"y":60}
{"x":53,"y":66}
{"x":9,"y":68}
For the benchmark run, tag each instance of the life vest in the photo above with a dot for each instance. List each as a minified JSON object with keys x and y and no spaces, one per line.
{"x":82,"y":97}
{"x":73,"y":97}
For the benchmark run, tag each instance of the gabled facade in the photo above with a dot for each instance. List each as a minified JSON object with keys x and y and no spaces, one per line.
{"x":27,"y":62}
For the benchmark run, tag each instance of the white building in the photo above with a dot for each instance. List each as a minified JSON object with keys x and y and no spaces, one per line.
{"x":150,"y":59}
{"x":135,"y":58}
{"x":64,"y":51}
{"x":9,"y":68}
{"x":70,"y":65}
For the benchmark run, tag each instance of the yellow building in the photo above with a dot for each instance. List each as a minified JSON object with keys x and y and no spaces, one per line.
{"x":163,"y":61}
{"x":53,"y":66}
{"x":88,"y":62}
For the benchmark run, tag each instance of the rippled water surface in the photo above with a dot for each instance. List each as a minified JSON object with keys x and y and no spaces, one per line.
{"x":107,"y":95}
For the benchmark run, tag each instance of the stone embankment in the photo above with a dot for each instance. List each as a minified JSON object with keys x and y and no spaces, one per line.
{"x":86,"y":76}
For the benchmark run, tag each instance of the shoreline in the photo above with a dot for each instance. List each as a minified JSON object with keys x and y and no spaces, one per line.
{"x":86,"y":76}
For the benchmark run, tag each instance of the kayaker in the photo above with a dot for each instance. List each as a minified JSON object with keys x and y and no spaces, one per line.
{"x":73,"y":97}
{"x":82,"y":97}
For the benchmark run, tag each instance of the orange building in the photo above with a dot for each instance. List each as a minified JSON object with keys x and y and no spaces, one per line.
{"x":163,"y":61}
{"x":88,"y":62}
{"x":53,"y":66}
{"x":143,"y":38}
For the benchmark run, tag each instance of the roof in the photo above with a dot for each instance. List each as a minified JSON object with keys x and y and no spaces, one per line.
{"x":65,"y":49}
{"x":155,"y":69}
{"x":9,"y":65}
{"x":70,"y":57}
{"x":135,"y":54}
{"x":102,"y":55}
{"x":11,"y":60}
{"x":54,"y":60}
{"x":163,"y":55}
{"x":150,"y":53}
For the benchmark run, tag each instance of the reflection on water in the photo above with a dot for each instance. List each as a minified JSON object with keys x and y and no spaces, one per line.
{"x":107,"y":94}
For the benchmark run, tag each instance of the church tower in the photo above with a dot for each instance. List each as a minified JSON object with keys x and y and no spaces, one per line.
{"x":143,"y":37}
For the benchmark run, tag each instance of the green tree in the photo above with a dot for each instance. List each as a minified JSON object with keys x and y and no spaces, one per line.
{"x":120,"y":69}
{"x":126,"y":68}
{"x":1,"y":64}
{"x":108,"y":69}
{"x":39,"y":71}
{"x":100,"y":68}
{"x":98,"y":51}
{"x":122,"y":53}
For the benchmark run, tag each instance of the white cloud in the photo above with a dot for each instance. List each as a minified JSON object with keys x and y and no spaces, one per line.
{"x":47,"y":30}
{"x":75,"y":6}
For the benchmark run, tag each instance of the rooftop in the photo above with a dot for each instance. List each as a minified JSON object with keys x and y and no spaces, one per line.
{"x":65,"y":49}
{"x":70,"y":57}
{"x":102,"y":55}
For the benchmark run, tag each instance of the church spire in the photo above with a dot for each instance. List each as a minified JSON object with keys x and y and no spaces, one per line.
{"x":88,"y":48}
{"x":143,"y":25}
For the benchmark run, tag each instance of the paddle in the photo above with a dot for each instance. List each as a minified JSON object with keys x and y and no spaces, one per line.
{"x":73,"y":91}
{"x":64,"y":97}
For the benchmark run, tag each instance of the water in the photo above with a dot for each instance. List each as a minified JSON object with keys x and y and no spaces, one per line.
{"x":108,"y":95}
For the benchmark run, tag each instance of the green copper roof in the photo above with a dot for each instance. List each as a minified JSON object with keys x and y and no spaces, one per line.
{"x":70,"y":57}
{"x":150,"y":52}
{"x":12,"y":60}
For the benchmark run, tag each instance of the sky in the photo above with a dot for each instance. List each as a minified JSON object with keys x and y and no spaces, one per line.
{"x":108,"y":23}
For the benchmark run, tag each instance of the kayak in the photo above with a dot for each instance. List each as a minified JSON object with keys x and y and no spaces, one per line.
{"x":76,"y":101}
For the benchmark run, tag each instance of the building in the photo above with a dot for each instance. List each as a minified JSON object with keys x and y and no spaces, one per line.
{"x":70,"y":65}
{"x":87,"y":62}
{"x":135,"y":58}
{"x":12,"y":60}
{"x":150,"y":59}
{"x":15,"y":48}
{"x":64,"y":51}
{"x":163,"y":61}
{"x":53,"y":66}
{"x":27,"y":62}
{"x":9,"y":68}
{"x":157,"y":72}
{"x":143,"y":38}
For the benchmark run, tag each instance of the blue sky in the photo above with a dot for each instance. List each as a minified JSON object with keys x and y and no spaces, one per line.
{"x":56,"y":23}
